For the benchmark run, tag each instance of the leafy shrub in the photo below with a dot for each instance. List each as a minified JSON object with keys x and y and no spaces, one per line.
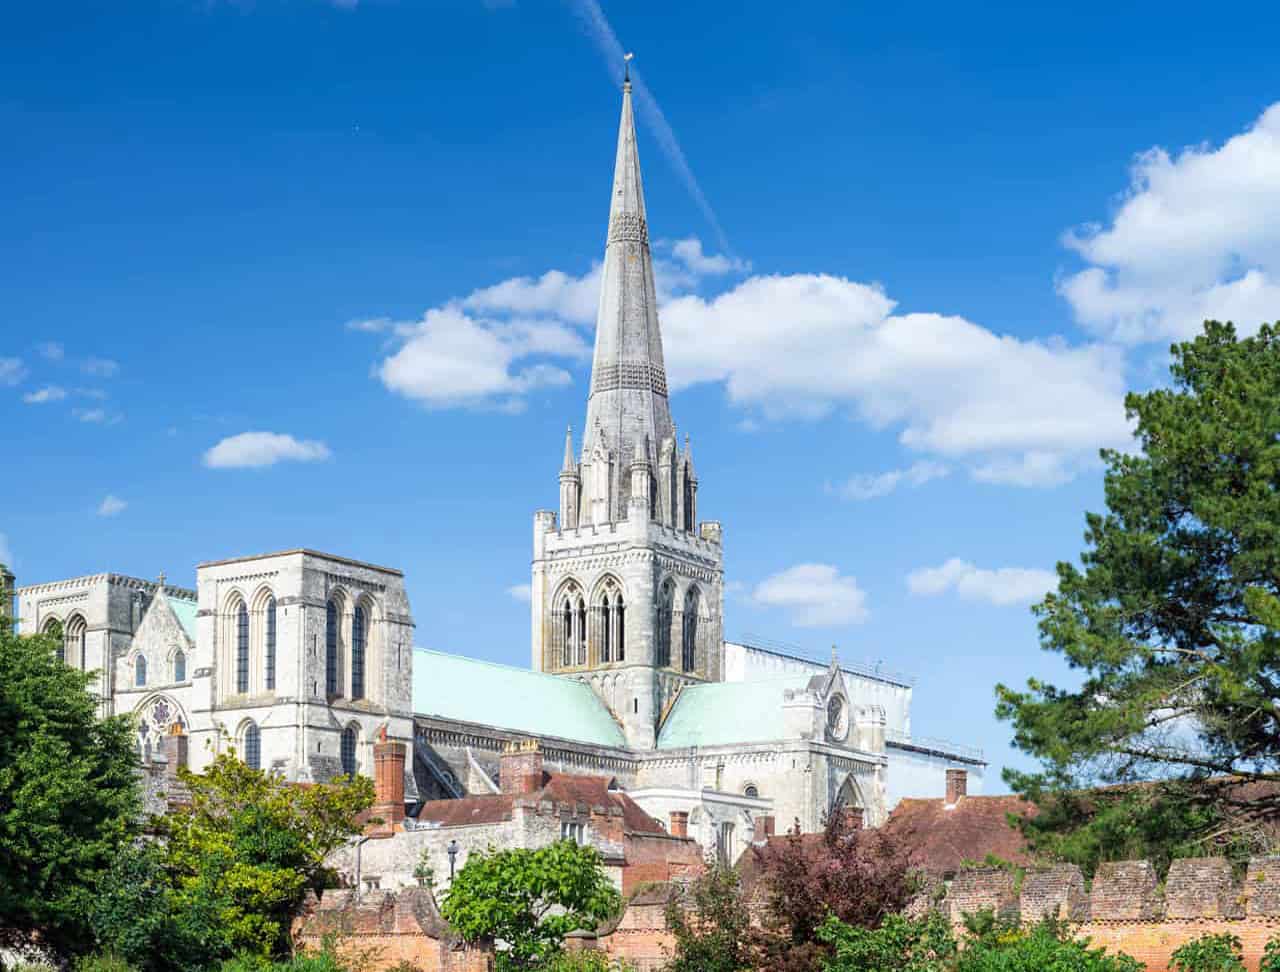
{"x":584,"y":962}
{"x":1210,"y":953}
{"x":1047,"y":947}
{"x":1271,"y":957}
{"x":902,"y":944}
{"x":102,"y":962}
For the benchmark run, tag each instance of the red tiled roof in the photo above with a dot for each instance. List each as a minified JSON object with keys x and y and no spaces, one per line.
{"x":557,"y":788}
{"x":467,"y":811}
{"x":943,"y":837}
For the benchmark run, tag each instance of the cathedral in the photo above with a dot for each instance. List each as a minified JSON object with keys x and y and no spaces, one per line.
{"x":301,"y":660}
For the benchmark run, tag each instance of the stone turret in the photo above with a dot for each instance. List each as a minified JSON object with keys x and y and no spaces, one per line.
{"x":570,"y":485}
{"x":641,"y":484}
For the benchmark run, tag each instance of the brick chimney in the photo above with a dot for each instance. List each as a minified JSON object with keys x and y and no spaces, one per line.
{"x":853,"y":817}
{"x":388,"y":783}
{"x":763,"y":829}
{"x":174,"y":746}
{"x":520,"y":769}
{"x":957,"y":785}
{"x":679,"y":824}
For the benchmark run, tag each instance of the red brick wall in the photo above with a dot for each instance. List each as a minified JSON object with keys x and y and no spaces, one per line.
{"x":658,"y":857}
{"x":1153,"y":942}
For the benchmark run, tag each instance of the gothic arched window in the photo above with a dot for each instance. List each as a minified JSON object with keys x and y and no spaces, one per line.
{"x":689,"y":632}
{"x":140,"y":671}
{"x":253,"y":746}
{"x":665,"y":606}
{"x":242,"y":648}
{"x":179,"y":666}
{"x":620,"y":614}
{"x":52,"y":627}
{"x":607,"y":622}
{"x":269,"y":645}
{"x":606,"y":629}
{"x":359,"y":637}
{"x":349,"y":750}
{"x":74,"y":640}
{"x":566,"y":633}
{"x":580,"y":635}
{"x":331,"y":649}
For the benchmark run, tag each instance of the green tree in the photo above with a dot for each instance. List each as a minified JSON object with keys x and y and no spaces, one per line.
{"x":69,"y":795}
{"x":711,"y":925}
{"x":530,"y":899}
{"x":1173,"y":617}
{"x":241,"y":856}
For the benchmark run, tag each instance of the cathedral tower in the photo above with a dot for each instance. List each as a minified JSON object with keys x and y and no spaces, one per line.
{"x":627,"y":584}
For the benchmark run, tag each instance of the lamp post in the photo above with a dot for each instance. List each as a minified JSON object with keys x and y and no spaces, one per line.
{"x":452,"y":849}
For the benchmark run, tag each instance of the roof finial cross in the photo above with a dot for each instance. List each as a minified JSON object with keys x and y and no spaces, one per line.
{"x":626,"y":67}
{"x":161,"y":578}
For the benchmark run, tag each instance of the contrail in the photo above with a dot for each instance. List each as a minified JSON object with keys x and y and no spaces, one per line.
{"x":600,"y":31}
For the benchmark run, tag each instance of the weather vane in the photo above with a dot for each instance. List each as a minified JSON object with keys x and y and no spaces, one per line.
{"x":626,"y":67}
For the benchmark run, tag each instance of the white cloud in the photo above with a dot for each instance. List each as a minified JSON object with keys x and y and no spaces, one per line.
{"x":555,"y":293}
{"x":450,"y":358}
{"x":689,"y":252}
{"x":1023,"y":412}
{"x":804,"y":344}
{"x":49,"y":393}
{"x":111,"y":506}
{"x":1001,"y":586}
{"x":520,"y":592}
{"x":1197,"y":236}
{"x":6,"y":552}
{"x":865,"y":486}
{"x":12,"y":371}
{"x":815,"y":595}
{"x":96,"y":416}
{"x":52,"y":351}
{"x":254,"y":449}
{"x":373,"y":325}
{"x":100,"y":367}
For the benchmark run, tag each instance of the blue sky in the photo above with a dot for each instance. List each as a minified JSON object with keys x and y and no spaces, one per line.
{"x":938,"y":243}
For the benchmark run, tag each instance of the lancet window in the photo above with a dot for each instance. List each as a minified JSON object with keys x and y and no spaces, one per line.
{"x":253,"y":746}
{"x":348,"y":751}
{"x":140,"y":671}
{"x":331,"y":616}
{"x":179,"y":666}
{"x":269,"y":645}
{"x":74,"y":641}
{"x":689,"y":632}
{"x":359,"y":642}
{"x":242,"y":648}
{"x":609,"y":622}
{"x":666,"y":607}
{"x":570,"y":648}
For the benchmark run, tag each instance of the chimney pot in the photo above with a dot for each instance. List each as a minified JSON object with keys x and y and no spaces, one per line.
{"x":957,"y":785}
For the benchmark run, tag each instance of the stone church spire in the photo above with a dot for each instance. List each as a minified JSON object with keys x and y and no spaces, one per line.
{"x":628,"y":399}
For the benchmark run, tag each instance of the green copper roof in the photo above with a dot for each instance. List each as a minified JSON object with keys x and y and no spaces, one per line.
{"x":185,"y":612}
{"x":454,"y":687}
{"x":726,"y":713}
